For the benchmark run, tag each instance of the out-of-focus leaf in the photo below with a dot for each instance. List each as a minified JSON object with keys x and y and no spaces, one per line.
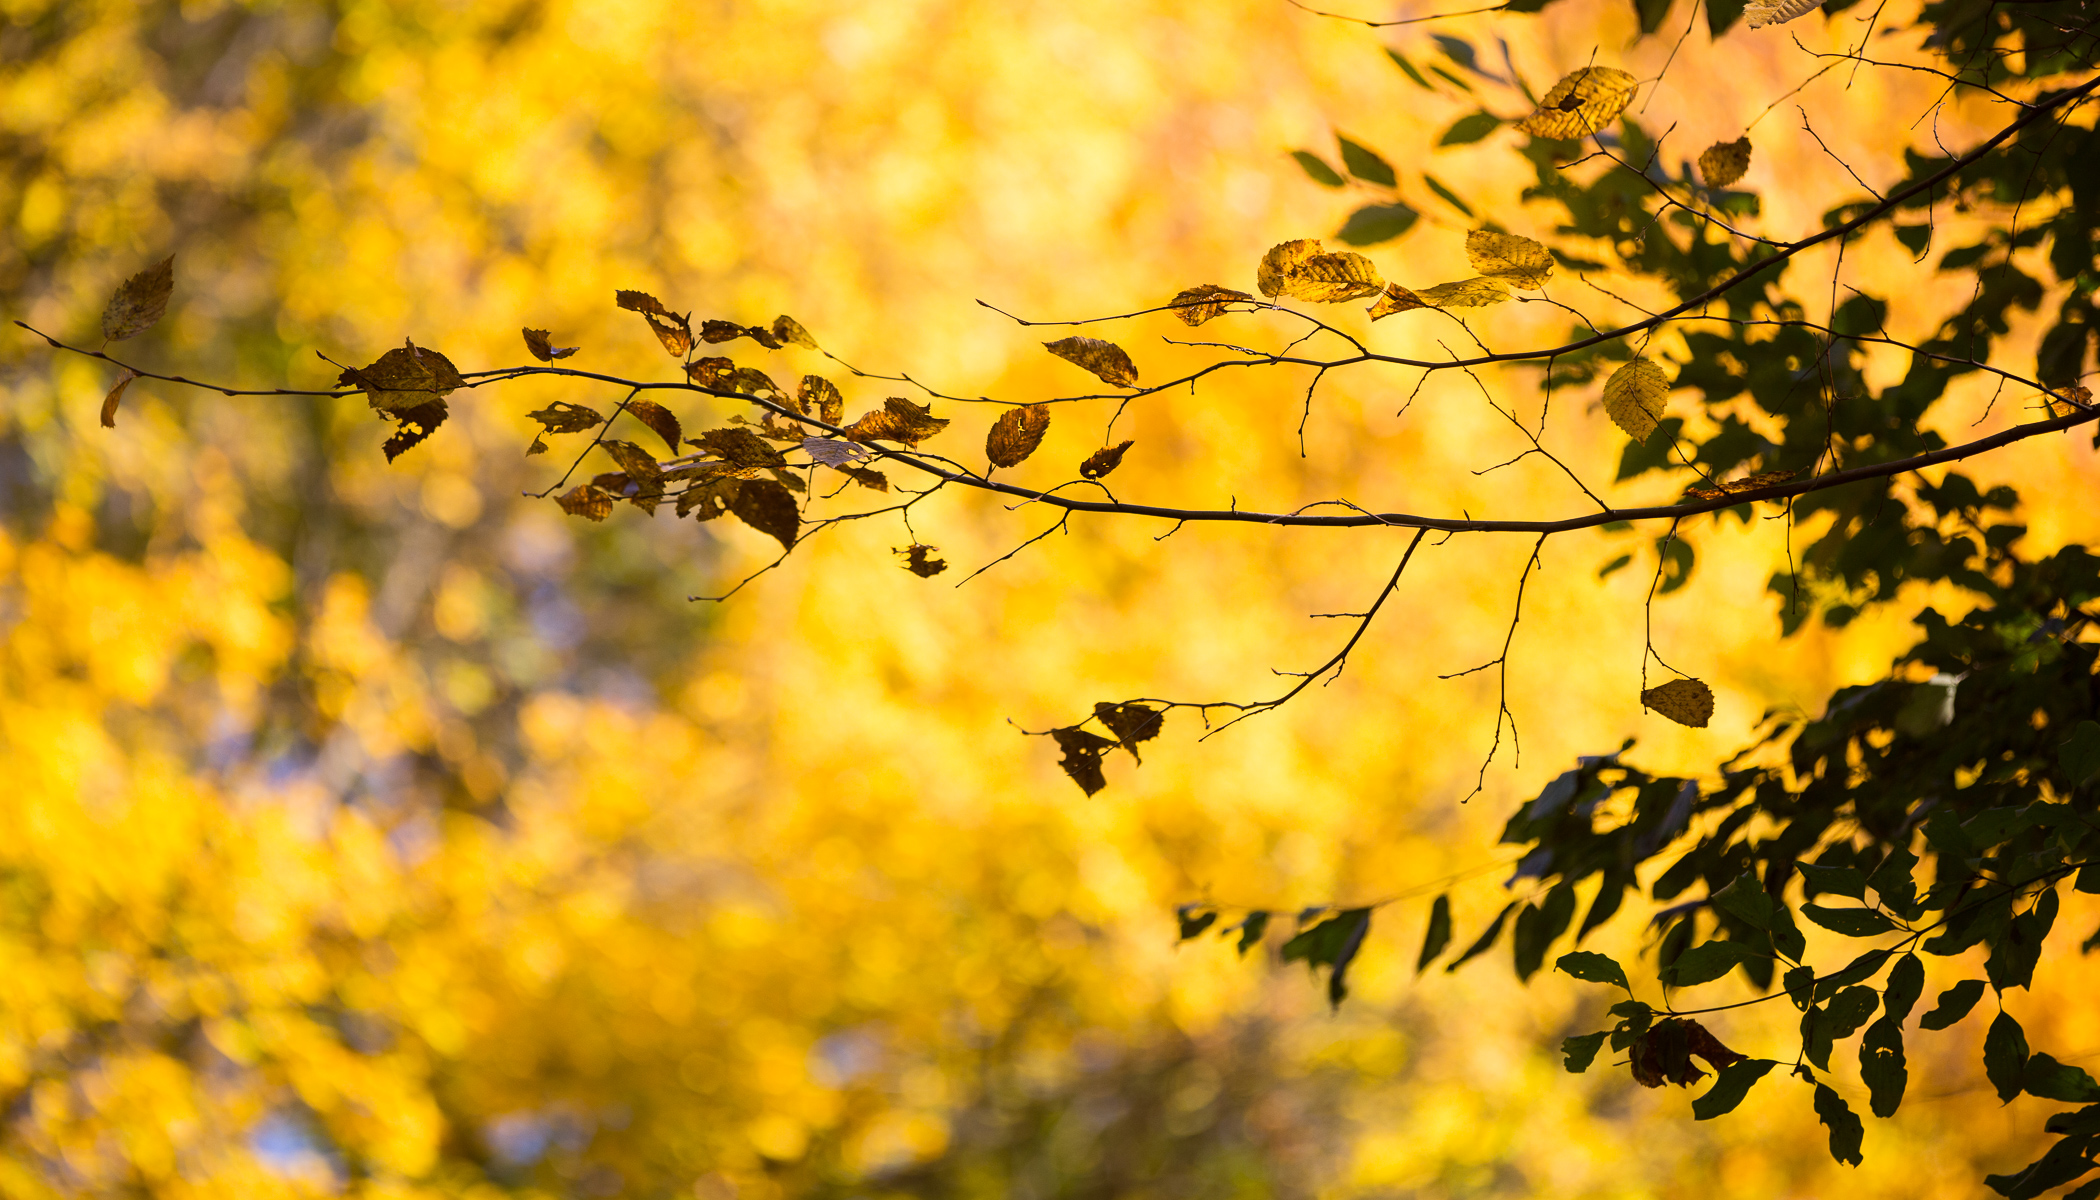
{"x":1470,"y":128}
{"x":139,"y":301}
{"x":1578,"y":1052}
{"x":1317,"y":167}
{"x":1485,"y":941}
{"x":1102,"y":461}
{"x":898,"y":420}
{"x":1375,"y":223}
{"x":919,"y":560}
{"x":1396,"y":299}
{"x":832,"y":452}
{"x":1722,"y":163}
{"x":1277,"y":264}
{"x":1845,"y":1129}
{"x":116,"y":397}
{"x":1204,"y":301}
{"x":1195,"y":918}
{"x":1512,"y":258}
{"x":1105,"y":359}
{"x":1131,"y":723}
{"x":788,"y":331}
{"x":586,"y":500}
{"x":869,"y":478}
{"x":2080,"y":754}
{"x":1584,"y":101}
{"x":766,"y":506}
{"x":1592,"y":967}
{"x":660,"y":420}
{"x":1332,"y":943}
{"x":1634,"y":397}
{"x":1685,"y":701}
{"x":1333,"y":278}
{"x":538,"y":446}
{"x":1438,"y":934}
{"x":819,"y":398}
{"x":1082,"y":757}
{"x":1016,"y":434}
{"x":563,"y":417}
{"x":1252,"y":930}
{"x":1759,"y":13}
{"x":536,"y":341}
{"x":1477,"y":292}
{"x":1365,"y":164}
{"x":1731,"y":1084}
{"x":1746,"y":900}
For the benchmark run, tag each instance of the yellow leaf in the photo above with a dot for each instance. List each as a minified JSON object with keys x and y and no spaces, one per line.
{"x":116,"y":396}
{"x":1477,"y":292}
{"x":1759,"y":13}
{"x":1685,"y":701}
{"x":674,"y":331}
{"x":139,"y":301}
{"x":1634,"y":396}
{"x":1396,"y":299}
{"x":1201,"y":303}
{"x":1514,"y":259}
{"x":1333,"y":278}
{"x":1016,"y":434}
{"x":1104,"y":460}
{"x":1105,"y":359}
{"x":1585,"y":100}
{"x":1724,"y":162}
{"x":898,"y":420}
{"x":1276,"y":265}
{"x":536,"y":341}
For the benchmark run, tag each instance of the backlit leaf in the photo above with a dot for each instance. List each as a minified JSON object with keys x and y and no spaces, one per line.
{"x":563,"y":417}
{"x":1584,"y":101}
{"x":1438,"y":935}
{"x":538,"y":446}
{"x":1731,"y":1084}
{"x":739,"y":448}
{"x":1278,"y":263}
{"x":536,"y":341}
{"x":1851,"y":922}
{"x":1317,"y":167}
{"x":1470,"y":128}
{"x":1204,"y":301}
{"x":1375,"y":223}
{"x":1512,"y":258}
{"x":1578,"y":1052}
{"x":1882,"y":1067}
{"x":674,"y":332}
{"x":1365,"y":164}
{"x":819,"y":398}
{"x":2053,"y":1080}
{"x":1685,"y":701}
{"x":637,"y":462}
{"x":919,"y":560}
{"x":1634,"y":397}
{"x":1131,"y":723}
{"x":1759,"y":13}
{"x":2005,"y":1056}
{"x":1082,"y":757}
{"x":766,"y":506}
{"x":1396,"y":299}
{"x":641,"y":302}
{"x":1195,"y":918}
{"x":2080,"y":753}
{"x":1722,"y":163}
{"x":832,"y":452}
{"x":1845,"y":1129}
{"x":898,"y":420}
{"x":586,"y":500}
{"x":1477,"y":292}
{"x":1591,"y":967}
{"x":1102,"y":461}
{"x":710,"y":372}
{"x":139,"y":301}
{"x":789,"y":331}
{"x":1016,"y":434}
{"x":660,"y":420}
{"x":1333,"y":278}
{"x":1332,"y":943}
{"x":1105,"y":359}
{"x":1705,"y":963}
{"x":409,"y":385}
{"x":1252,"y":929}
{"x":116,"y":397}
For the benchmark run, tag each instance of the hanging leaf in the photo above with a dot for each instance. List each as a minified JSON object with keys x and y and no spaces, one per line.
{"x":1317,"y":167}
{"x":1516,"y":260}
{"x":871,"y":479}
{"x":899,"y":420}
{"x":660,"y":420}
{"x":1845,"y":1129}
{"x":768,"y":507}
{"x":1685,"y":701}
{"x":637,"y":462}
{"x":1470,"y":128}
{"x":919,"y":560}
{"x":819,"y":398}
{"x":1101,"y":462}
{"x":1882,"y":1067}
{"x":1105,"y":359}
{"x":1396,"y":299}
{"x":1082,"y":758}
{"x":1731,"y":1084}
{"x":1579,"y":1052}
{"x":1705,"y":963}
{"x":586,"y":500}
{"x":1195,"y":918}
{"x":1375,"y":223}
{"x":1584,"y":101}
{"x":1634,"y":397}
{"x":1131,"y":723}
{"x":1724,"y":162}
{"x":1477,"y":292}
{"x":1366,"y":165}
{"x":832,"y":452}
{"x":1016,"y":434}
{"x":116,"y":397}
{"x":538,"y":446}
{"x":1278,"y":263}
{"x":536,"y":341}
{"x":788,"y":330}
{"x":1664,"y":1053}
{"x":1438,"y":935}
{"x":1759,"y":13}
{"x":1333,"y":944}
{"x":641,"y":302}
{"x":1201,"y":303}
{"x":1333,"y":278}
{"x":1591,"y":967}
{"x":711,"y":498}
{"x":563,"y":417}
{"x":714,"y":333}
{"x":739,"y":448}
{"x":1252,"y":929}
{"x":749,"y":381}
{"x":1486,"y":941}
{"x":2005,"y":1056}
{"x":139,"y":301}
{"x":674,"y":331}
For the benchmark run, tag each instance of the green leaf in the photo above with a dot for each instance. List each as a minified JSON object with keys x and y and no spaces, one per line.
{"x":1906,"y":983}
{"x":1731,"y":1084}
{"x":1317,"y":167}
{"x":1195,"y":918}
{"x":2052,"y":1080}
{"x":1849,"y":1009}
{"x":1953,"y":1004}
{"x":1332,"y":943}
{"x":1786,"y":936}
{"x":2005,"y":1056}
{"x":1470,"y":128}
{"x":1537,"y":927}
{"x":2080,"y":753}
{"x":1376,"y":223}
{"x":1992,"y":826}
{"x":1800,"y":985}
{"x":1400,"y":61}
{"x":1581,"y":1051}
{"x":1881,"y":1065}
{"x":1438,"y":935}
{"x":1592,"y":967}
{"x":1705,"y":963}
{"x":1896,"y":883}
{"x":1446,"y":194}
{"x":1851,"y":922}
{"x":1746,"y":900}
{"x":1843,"y":881}
{"x":1859,"y":968}
{"x":1252,"y":930}
{"x":1487,"y":939}
{"x":1845,"y":1129}
{"x":1366,"y":165}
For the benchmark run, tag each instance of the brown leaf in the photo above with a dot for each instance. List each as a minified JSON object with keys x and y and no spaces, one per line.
{"x":1477,"y":292}
{"x":1685,"y":701}
{"x":832,"y":452}
{"x":1396,"y":299}
{"x":1724,"y":162}
{"x":563,"y":417}
{"x":919,"y":560}
{"x":739,"y":448}
{"x":538,"y":446}
{"x":766,"y":506}
{"x":788,"y":330}
{"x":1082,"y":760}
{"x":749,"y":381}
{"x":586,"y":500}
{"x":673,"y":332}
{"x":1584,"y":101}
{"x":641,"y":302}
{"x":406,"y":378}
{"x":536,"y":341}
{"x":1704,"y":1044}
{"x":641,"y":468}
{"x":1736,"y":487}
{"x":1276,"y":266}
{"x":416,"y":424}
{"x":1105,"y":359}
{"x":662,"y":421}
{"x":820,"y":398}
{"x":899,"y":420}
{"x":1016,"y":434}
{"x":1203,"y":302}
{"x":115,"y":397}
{"x":709,"y":499}
{"x":1759,"y":13}
{"x":1512,"y":258}
{"x":1131,"y":723}
{"x":1102,"y":461}
{"x":139,"y":301}
{"x":717,"y":332}
{"x":1333,"y":278}
{"x":870,"y":479}
{"x":709,"y":372}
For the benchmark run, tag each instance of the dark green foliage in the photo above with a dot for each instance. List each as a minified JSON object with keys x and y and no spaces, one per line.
{"x":1333,"y":944}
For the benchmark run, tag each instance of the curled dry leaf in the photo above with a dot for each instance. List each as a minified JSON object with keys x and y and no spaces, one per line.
{"x":898,"y":420}
{"x":139,"y":301}
{"x":116,"y":397}
{"x":1203,"y":302}
{"x":1131,"y":723}
{"x":1396,"y":299}
{"x":1634,"y":397}
{"x":1685,"y":701}
{"x":1104,"y":460}
{"x":820,"y":398}
{"x":1333,"y":278}
{"x":919,"y":560}
{"x":586,"y":500}
{"x":674,"y":333}
{"x":538,"y":446}
{"x":1724,"y":162}
{"x":1584,"y":101}
{"x":409,"y":385}
{"x":563,"y":417}
{"x":1664,"y":1052}
{"x":1105,"y":359}
{"x":871,"y":479}
{"x":717,"y":332}
{"x":770,"y":508}
{"x":788,"y":330}
{"x":641,"y":302}
{"x":660,"y":420}
{"x":740,"y":448}
{"x":1082,"y":760}
{"x":637,"y":462}
{"x":1736,"y":487}
{"x":1759,"y":13}
{"x":1477,"y":292}
{"x":832,"y":452}
{"x":1016,"y":434}
{"x":536,"y":341}
{"x":1276,"y":265}
{"x":1512,"y":258}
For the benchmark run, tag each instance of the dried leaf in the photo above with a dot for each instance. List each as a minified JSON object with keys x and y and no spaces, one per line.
{"x":1664,"y":1053}
{"x":1584,"y":101}
{"x":1105,"y":359}
{"x":739,"y":448}
{"x":1131,"y":723}
{"x":586,"y":500}
{"x":139,"y":301}
{"x":536,"y":341}
{"x":1201,"y":303}
{"x":709,"y":372}
{"x":673,"y":332}
{"x":662,"y":421}
{"x":919,"y":560}
{"x":641,"y":469}
{"x":711,"y":499}
{"x":1016,"y":434}
{"x":408,"y":385}
{"x":716,"y":332}
{"x":820,"y":398}
{"x":1396,"y":299}
{"x":898,"y":420}
{"x":563,"y":417}
{"x":766,"y":506}
{"x":538,"y":446}
{"x":1512,"y":258}
{"x":788,"y":329}
{"x":832,"y":452}
{"x":1277,"y":264}
{"x":1724,"y":162}
{"x":1477,"y":292}
{"x":1759,"y":13}
{"x":1634,"y":398}
{"x":749,"y":381}
{"x":416,"y":424}
{"x":1082,"y":760}
{"x":1685,"y":701}
{"x":641,"y":302}
{"x":1736,"y":487}
{"x":1333,"y":278}
{"x":1102,"y":461}
{"x":115,"y":397}
{"x":870,"y":479}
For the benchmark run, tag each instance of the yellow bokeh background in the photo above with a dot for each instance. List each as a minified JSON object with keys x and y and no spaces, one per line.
{"x":379,"y":830}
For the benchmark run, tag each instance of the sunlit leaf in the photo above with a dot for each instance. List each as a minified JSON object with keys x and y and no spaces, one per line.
{"x":766,"y":506}
{"x":1685,"y":701}
{"x":710,"y":373}
{"x":536,"y":342}
{"x":563,"y":417}
{"x":898,"y":420}
{"x":1634,"y":397}
{"x":1396,"y":299}
{"x":1278,"y":263}
{"x":1512,"y":258}
{"x":586,"y":500}
{"x":1759,"y":13}
{"x":789,"y":331}
{"x":819,"y":397}
{"x":1584,"y":101}
{"x":409,"y":385}
{"x":1102,"y":461}
{"x":1333,"y":278}
{"x":1105,"y":359}
{"x":1722,"y":163}
{"x":660,"y":420}
{"x":1131,"y":723}
{"x":673,"y":332}
{"x":1016,"y":434}
{"x":739,"y":448}
{"x":139,"y":301}
{"x":1477,"y":292}
{"x":116,"y":397}
{"x":919,"y":560}
{"x":1082,"y":756}
{"x":1201,"y":303}
{"x":750,"y":381}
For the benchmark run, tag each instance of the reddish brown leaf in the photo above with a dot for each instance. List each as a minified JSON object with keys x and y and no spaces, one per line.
{"x":1016,"y":434}
{"x":899,"y":420}
{"x":586,"y":500}
{"x":115,"y":397}
{"x":919,"y":560}
{"x":1102,"y":461}
{"x":1082,"y":759}
{"x":139,"y":301}
{"x":662,"y":421}
{"x":563,"y":417}
{"x":766,"y":506}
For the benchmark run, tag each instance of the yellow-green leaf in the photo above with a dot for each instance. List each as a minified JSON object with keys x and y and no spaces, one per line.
{"x":1477,"y":292}
{"x":139,"y":301}
{"x":1634,"y":397}
{"x":1277,"y":264}
{"x":1105,"y":359}
{"x":1724,"y":162}
{"x":1016,"y":434}
{"x":1333,"y":278}
{"x":1584,"y":101}
{"x":1685,"y":701}
{"x":1512,"y":258}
